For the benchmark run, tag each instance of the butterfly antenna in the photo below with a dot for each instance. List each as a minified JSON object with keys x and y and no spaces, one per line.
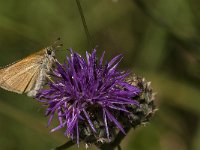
{"x":56,"y":43}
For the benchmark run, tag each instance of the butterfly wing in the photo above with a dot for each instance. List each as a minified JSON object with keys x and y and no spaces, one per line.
{"x":33,"y":81}
{"x":22,"y":81}
{"x":21,"y":76}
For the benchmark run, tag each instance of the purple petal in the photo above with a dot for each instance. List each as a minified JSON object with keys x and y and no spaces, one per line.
{"x":116,"y":58}
{"x":77,"y":134}
{"x":89,"y":121}
{"x":101,"y":59}
{"x":106,"y":123}
{"x":118,"y":108}
{"x":112,"y":118}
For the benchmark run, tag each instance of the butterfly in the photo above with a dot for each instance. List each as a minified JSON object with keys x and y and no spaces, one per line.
{"x":29,"y":74}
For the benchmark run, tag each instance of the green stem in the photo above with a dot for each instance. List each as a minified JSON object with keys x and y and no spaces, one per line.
{"x":65,"y":146}
{"x":115,"y":143}
{"x":84,"y":24}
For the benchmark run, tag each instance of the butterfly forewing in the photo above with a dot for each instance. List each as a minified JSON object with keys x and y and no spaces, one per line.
{"x":33,"y":81}
{"x":21,"y":76}
{"x":19,"y":82}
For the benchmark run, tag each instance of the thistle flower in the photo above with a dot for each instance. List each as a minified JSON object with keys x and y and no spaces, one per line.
{"x":94,"y":101}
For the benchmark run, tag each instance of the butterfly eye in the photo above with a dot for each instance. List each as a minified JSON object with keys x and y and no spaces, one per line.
{"x":49,"y":51}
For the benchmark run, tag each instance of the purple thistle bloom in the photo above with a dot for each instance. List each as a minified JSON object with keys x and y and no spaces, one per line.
{"x":87,"y":95}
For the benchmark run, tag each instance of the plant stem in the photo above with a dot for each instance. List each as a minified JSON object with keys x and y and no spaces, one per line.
{"x":65,"y":146}
{"x":84,"y":24}
{"x":115,"y":143}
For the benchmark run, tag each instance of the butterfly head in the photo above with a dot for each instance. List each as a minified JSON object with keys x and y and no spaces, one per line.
{"x":50,"y":51}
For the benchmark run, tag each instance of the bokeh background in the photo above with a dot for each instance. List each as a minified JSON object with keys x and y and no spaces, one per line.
{"x":158,"y":38}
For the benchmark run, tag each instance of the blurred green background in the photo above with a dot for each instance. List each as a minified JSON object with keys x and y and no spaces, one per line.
{"x":159,"y":40}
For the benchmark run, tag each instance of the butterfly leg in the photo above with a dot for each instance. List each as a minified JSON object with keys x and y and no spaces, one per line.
{"x":49,"y":78}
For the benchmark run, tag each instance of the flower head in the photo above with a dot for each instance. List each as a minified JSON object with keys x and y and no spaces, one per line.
{"x":92,"y":100}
